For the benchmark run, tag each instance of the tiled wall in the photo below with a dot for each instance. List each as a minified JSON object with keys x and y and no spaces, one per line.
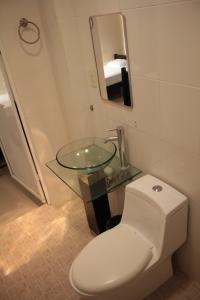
{"x":163,"y":129}
{"x":67,"y":61}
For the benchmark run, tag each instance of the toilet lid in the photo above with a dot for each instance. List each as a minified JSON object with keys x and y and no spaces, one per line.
{"x":110,"y":260}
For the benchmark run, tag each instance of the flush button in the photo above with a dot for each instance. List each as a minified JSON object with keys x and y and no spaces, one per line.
{"x":157,"y":188}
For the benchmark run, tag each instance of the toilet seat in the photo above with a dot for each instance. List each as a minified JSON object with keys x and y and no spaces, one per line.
{"x":110,"y":260}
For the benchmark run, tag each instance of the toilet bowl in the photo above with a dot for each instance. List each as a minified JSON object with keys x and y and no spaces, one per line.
{"x":133,"y":259}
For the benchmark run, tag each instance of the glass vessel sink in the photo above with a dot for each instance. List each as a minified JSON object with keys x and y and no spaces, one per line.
{"x":88,"y":155}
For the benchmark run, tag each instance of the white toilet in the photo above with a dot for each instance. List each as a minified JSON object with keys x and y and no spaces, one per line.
{"x":133,"y":259}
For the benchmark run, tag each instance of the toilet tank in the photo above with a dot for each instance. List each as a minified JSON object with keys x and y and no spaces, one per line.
{"x":158,"y":212}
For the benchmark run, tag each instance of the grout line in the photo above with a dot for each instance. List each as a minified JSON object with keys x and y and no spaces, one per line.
{"x":166,"y":82}
{"x":169,"y":3}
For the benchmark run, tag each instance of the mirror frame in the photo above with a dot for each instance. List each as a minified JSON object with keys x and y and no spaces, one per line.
{"x":91,"y":24}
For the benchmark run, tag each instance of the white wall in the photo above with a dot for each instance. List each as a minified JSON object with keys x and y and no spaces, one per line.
{"x":163,"y":129}
{"x":32,"y":80}
{"x":68,"y":65}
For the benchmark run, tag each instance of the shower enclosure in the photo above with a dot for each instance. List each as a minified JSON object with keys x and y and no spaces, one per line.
{"x":13,"y":142}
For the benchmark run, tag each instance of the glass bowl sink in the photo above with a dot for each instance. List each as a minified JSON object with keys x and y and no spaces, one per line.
{"x":88,"y":154}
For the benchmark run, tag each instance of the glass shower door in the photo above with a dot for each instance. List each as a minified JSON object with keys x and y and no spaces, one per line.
{"x":13,"y":141}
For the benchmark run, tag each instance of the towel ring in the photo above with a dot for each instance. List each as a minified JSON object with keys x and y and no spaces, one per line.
{"x":23,"y":23}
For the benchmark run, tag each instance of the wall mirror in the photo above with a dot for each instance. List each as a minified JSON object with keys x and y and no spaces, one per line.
{"x":111,"y":55}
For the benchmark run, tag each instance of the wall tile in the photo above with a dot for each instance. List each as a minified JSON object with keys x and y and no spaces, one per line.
{"x":181,"y":169}
{"x":179,"y":111}
{"x":127,"y":4}
{"x":146,"y":102}
{"x":144,"y":150}
{"x":179,"y":43}
{"x":75,"y":93}
{"x":94,"y":7}
{"x":143,"y":42}
{"x":166,"y":45}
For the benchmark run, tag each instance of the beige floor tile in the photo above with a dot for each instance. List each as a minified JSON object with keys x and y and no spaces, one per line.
{"x":14,"y":200}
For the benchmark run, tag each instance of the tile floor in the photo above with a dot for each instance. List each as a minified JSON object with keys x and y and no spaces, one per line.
{"x":14,"y":200}
{"x":37,"y":248}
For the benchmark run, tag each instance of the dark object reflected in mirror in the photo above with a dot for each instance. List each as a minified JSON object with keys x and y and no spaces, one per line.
{"x":110,"y":50}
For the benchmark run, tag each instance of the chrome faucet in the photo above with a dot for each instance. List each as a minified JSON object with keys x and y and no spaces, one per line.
{"x":120,"y":138}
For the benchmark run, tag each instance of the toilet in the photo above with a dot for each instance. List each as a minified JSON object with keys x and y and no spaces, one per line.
{"x":133,"y":259}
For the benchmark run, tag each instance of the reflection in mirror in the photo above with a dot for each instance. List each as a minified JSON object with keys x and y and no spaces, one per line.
{"x":110,"y":49}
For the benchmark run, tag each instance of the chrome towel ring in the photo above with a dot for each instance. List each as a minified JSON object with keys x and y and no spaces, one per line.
{"x":23,"y":23}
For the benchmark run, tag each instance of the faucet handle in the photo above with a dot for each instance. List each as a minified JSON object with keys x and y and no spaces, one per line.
{"x":111,"y":130}
{"x":117,"y":129}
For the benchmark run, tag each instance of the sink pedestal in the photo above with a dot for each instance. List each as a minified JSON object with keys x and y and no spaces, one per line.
{"x":94,"y":187}
{"x":98,"y":210}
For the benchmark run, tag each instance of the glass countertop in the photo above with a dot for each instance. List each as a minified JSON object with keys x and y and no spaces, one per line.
{"x":89,"y":154}
{"x":115,"y":176}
